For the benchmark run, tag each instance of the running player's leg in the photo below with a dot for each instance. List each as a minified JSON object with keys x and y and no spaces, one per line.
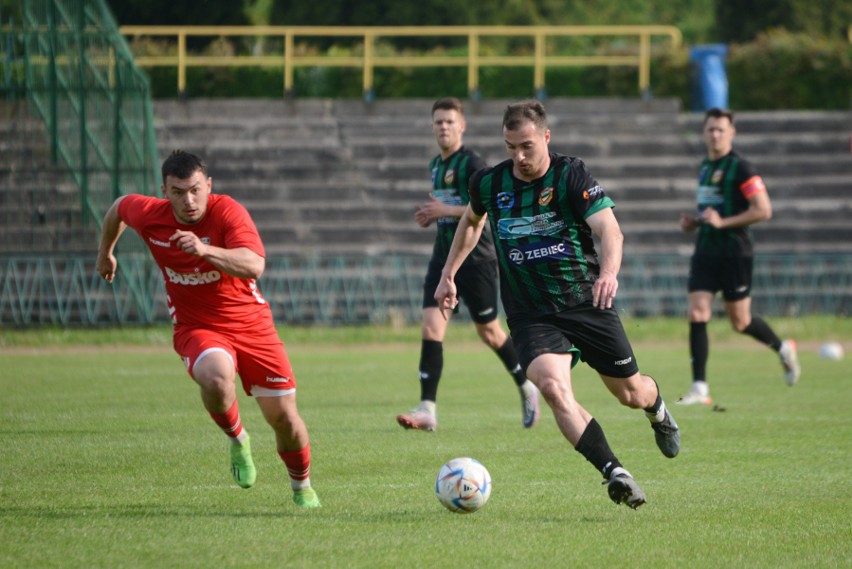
{"x":210,"y":362}
{"x":699,"y":314}
{"x":603,"y":342}
{"x":434,"y":326}
{"x":477,"y":287}
{"x":737,"y":295}
{"x":548,"y":357}
{"x":268,"y":377}
{"x":293,"y":445}
{"x":706,"y":277}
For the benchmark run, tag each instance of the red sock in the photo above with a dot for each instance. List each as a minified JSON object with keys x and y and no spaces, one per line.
{"x":298,"y":462}
{"x":229,"y":421}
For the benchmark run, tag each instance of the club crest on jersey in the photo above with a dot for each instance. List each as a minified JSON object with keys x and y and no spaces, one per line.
{"x":716,"y":177}
{"x":449,"y":176}
{"x":545,"y":196}
{"x":505,"y":200}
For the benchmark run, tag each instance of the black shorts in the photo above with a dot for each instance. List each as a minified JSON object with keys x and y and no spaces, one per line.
{"x":593,"y":335}
{"x":476,"y":285}
{"x":731,"y":275}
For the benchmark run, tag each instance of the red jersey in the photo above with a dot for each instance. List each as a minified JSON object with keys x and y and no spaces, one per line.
{"x":199,"y":294}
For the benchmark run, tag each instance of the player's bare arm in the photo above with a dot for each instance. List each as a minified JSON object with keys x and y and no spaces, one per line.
{"x":467,"y":236}
{"x":113,"y":227}
{"x":240,"y":262}
{"x":606,"y":228}
{"x":436,"y":209}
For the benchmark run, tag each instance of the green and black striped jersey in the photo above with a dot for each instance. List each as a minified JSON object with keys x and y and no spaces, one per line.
{"x":726,"y":185}
{"x":546,"y":252}
{"x":450,"y":179}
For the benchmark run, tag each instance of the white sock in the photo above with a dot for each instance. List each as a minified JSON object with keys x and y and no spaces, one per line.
{"x":659,"y":415}
{"x":300,"y":484}
{"x":428,"y":406}
{"x":528,"y":388}
{"x":240,"y":439}
{"x":618,"y":470}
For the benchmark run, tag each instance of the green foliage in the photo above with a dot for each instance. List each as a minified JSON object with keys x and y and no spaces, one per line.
{"x":782,"y":70}
{"x":805,"y":68}
{"x":11,"y":11}
{"x":110,"y":453}
{"x":745,"y":20}
{"x":178,"y":12}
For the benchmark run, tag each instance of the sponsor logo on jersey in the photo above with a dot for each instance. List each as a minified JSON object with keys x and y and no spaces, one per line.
{"x":545,"y":196}
{"x":592,"y":193}
{"x":541,"y":224}
{"x":623,"y":362}
{"x":205,"y":240}
{"x":709,"y":196}
{"x":449,"y":176}
{"x":193,"y":279}
{"x":159,"y":243}
{"x":534,"y":253}
{"x":505,"y":200}
{"x":448,"y":197}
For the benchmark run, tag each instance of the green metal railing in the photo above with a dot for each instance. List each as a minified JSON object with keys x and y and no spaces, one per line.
{"x":348,"y":290}
{"x":81,"y":79}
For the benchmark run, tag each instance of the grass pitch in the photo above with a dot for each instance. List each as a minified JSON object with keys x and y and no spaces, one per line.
{"x":109,"y":460}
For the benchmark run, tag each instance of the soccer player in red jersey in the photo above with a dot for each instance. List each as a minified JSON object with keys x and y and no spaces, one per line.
{"x":210,"y":253}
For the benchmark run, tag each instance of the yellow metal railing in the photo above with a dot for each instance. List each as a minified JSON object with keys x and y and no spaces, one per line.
{"x":540,"y":59}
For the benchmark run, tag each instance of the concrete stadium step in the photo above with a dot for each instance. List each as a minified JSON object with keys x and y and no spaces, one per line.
{"x":347,"y":174}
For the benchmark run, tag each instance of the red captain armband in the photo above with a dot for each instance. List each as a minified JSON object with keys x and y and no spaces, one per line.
{"x":752,"y":186}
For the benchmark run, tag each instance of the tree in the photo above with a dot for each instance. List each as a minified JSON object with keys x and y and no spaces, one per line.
{"x":179,"y":12}
{"x":743,"y":20}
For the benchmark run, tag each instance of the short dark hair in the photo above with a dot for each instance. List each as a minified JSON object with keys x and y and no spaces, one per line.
{"x":449,"y":104}
{"x":182,"y":165}
{"x":527,"y":110}
{"x":717,"y":113}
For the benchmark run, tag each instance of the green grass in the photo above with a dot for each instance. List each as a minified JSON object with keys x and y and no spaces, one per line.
{"x":110,"y":461}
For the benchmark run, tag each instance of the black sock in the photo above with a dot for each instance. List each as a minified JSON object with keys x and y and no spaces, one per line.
{"x":699,"y":350}
{"x":658,"y":403}
{"x":760,"y":331}
{"x":509,"y":357}
{"x":593,"y":446}
{"x":431,"y":365}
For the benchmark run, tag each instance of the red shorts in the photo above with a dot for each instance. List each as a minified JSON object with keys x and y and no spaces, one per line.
{"x":259,"y":359}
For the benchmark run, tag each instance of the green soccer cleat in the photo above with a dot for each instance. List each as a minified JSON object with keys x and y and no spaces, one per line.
{"x":242,"y":465}
{"x":306,"y":498}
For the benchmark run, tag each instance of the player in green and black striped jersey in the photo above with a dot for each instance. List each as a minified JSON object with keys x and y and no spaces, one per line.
{"x":731,"y":198}
{"x":544,"y":209}
{"x":451,"y":170}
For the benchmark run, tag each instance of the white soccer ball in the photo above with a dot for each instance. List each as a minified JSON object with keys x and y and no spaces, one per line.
{"x":463,"y":485}
{"x":831,"y":351}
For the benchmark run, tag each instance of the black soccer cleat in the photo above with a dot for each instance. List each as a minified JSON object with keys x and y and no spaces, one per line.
{"x":667,"y":435}
{"x":624,"y":490}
